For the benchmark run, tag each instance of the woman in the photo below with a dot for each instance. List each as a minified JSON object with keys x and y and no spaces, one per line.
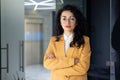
{"x":68,"y":53}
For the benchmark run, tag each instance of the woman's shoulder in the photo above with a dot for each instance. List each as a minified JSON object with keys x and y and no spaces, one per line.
{"x":53,"y":38}
{"x":86,"y":38}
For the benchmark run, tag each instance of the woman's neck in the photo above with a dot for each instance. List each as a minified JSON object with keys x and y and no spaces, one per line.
{"x":68,"y":33}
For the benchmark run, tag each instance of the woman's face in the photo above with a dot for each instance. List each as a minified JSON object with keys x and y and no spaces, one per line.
{"x":68,"y":21}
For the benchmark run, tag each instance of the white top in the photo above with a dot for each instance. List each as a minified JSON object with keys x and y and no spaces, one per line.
{"x":67,"y":41}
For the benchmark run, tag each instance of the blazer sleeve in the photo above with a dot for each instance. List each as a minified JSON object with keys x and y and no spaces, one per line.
{"x":56,"y":63}
{"x":84,"y":61}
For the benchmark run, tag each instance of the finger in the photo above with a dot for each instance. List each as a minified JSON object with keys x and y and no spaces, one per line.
{"x":51,"y":56}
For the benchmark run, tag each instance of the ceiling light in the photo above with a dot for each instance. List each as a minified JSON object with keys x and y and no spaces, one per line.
{"x":42,"y":5}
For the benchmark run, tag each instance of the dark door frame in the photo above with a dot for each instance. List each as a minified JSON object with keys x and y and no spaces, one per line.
{"x":99,"y":9}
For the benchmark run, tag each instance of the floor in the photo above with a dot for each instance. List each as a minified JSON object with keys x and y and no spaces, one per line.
{"x":36,"y":72}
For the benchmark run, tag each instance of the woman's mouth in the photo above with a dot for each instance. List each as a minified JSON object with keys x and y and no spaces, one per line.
{"x":68,"y":26}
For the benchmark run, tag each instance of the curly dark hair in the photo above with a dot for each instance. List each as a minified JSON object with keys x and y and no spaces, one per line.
{"x":80,"y":28}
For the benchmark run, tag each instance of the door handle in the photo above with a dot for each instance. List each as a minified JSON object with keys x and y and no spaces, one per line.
{"x":7,"y":57}
{"x":21,"y":55}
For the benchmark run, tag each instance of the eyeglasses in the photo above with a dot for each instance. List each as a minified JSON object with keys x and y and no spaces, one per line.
{"x":71,"y":19}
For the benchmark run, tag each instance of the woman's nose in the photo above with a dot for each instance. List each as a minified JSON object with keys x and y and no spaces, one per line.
{"x":68,"y":21}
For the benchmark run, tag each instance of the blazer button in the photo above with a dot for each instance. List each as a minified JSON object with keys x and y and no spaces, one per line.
{"x":67,"y":76}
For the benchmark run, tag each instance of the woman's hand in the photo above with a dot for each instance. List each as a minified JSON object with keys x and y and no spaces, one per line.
{"x":76,"y":60}
{"x":51,"y":56}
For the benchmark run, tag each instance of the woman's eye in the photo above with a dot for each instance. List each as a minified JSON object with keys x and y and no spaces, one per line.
{"x":72,"y":19}
{"x":64,"y":19}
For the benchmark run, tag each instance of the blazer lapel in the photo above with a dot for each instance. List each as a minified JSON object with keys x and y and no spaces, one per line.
{"x":70,"y":51}
{"x":60,"y":47}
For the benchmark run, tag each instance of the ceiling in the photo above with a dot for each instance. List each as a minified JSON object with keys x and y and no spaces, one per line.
{"x":41,"y":4}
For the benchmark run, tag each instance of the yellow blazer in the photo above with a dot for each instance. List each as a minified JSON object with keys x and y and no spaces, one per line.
{"x":62,"y":66}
